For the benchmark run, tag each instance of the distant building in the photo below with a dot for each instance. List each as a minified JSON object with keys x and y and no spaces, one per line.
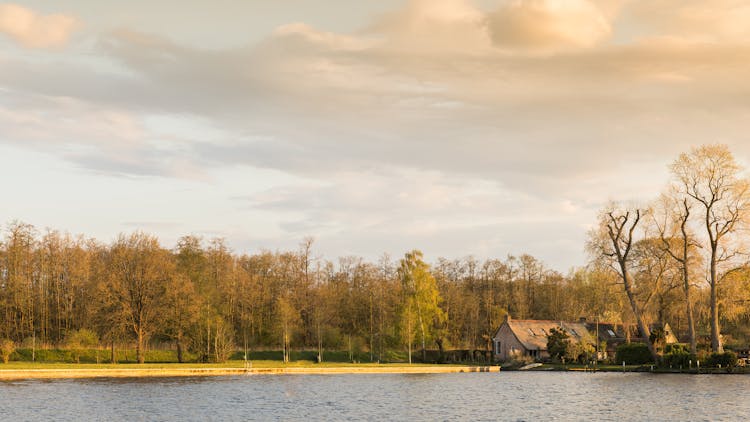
{"x":517,"y":338}
{"x":611,"y":335}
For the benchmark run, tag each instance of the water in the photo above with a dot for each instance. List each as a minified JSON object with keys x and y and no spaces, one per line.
{"x":512,"y":396}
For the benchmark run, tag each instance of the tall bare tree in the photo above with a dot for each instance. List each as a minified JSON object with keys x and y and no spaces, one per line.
{"x":711,"y":178}
{"x":679,"y":242}
{"x":613,"y":241}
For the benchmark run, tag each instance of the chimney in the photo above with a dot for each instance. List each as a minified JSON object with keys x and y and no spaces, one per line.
{"x":507,"y":318}
{"x":582,"y":320}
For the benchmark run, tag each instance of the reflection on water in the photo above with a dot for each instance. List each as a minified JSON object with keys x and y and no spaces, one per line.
{"x":478,"y":396}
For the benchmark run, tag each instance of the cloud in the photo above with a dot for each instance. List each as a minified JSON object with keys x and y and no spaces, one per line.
{"x":716,"y":21}
{"x":548,"y":24}
{"x":33,"y":30}
{"x":439,"y":124}
{"x":433,"y":26}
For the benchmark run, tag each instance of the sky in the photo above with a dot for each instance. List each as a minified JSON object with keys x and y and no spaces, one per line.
{"x":456,"y":127}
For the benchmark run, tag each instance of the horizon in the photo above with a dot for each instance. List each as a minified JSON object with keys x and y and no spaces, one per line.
{"x":460,"y":128}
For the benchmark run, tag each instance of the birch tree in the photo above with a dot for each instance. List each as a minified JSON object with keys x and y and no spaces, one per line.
{"x":421,"y":298}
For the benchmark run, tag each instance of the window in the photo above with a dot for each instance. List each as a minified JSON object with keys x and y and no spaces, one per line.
{"x":531,"y":332}
{"x":611,"y":333}
{"x":497,"y":347}
{"x":573,"y":332}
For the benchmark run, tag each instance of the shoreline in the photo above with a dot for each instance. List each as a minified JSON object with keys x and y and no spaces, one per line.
{"x":166,"y":372}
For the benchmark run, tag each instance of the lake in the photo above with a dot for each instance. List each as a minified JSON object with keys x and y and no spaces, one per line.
{"x":512,"y":396}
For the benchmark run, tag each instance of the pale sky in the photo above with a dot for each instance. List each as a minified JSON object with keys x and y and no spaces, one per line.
{"x":457,"y":127}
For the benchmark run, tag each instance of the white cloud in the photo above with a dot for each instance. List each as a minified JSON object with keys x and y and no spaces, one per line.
{"x":33,"y":30}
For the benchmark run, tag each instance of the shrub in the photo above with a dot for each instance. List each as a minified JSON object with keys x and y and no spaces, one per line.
{"x":679,"y":358}
{"x":558,"y":344}
{"x":725,"y":360}
{"x":81,"y":340}
{"x":7,"y":347}
{"x":633,"y":354}
{"x":677,"y":348}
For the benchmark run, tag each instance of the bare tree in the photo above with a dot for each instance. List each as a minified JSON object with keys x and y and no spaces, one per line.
{"x":613,"y":241}
{"x":710,"y":178}
{"x":678,"y":241}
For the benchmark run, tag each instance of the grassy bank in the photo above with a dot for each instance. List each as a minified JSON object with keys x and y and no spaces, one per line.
{"x":30,"y":370}
{"x":99,"y":356}
{"x":228,"y":364}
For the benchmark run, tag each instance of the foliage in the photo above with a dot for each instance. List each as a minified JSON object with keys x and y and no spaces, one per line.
{"x":420,"y":307}
{"x":633,"y":354}
{"x":679,"y":358}
{"x":723,"y":360}
{"x":676,"y":348}
{"x":558,"y":344}
{"x":80,"y":340}
{"x":7,"y":347}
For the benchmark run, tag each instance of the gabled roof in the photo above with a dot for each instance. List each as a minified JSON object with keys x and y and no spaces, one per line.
{"x":615,"y":333}
{"x":533,"y":333}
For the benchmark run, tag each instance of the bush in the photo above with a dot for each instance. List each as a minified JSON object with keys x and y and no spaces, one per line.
{"x":677,"y":348}
{"x":679,"y":358}
{"x":633,"y":354}
{"x":7,"y":347}
{"x":724,"y":360}
{"x":81,"y":340}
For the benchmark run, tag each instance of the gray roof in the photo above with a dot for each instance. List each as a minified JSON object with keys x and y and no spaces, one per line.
{"x":533,"y":333}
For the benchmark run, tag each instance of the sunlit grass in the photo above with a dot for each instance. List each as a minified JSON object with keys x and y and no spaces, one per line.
{"x":227,"y":364}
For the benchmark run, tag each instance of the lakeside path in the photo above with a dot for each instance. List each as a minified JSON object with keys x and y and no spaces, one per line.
{"x":167,"y":371}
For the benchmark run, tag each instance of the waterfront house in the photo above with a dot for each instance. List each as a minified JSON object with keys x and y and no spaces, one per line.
{"x":610,"y":336}
{"x":525,"y":337}
{"x":516,"y":338}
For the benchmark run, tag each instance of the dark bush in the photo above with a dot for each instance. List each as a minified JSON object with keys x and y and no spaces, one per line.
{"x":677,"y":348}
{"x":678,"y":359}
{"x":633,"y":354}
{"x":725,"y":360}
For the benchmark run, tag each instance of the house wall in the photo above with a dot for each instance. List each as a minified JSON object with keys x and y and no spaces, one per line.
{"x":509,"y":344}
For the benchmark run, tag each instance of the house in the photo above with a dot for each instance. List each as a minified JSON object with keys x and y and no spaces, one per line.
{"x":610,"y":336}
{"x":515,"y":338}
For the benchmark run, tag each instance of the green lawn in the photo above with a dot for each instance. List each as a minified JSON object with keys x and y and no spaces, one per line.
{"x":229,"y":364}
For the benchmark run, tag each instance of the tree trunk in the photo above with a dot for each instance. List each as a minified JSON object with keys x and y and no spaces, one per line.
{"x":180,"y":357}
{"x":408,"y":341}
{"x":421,"y":329}
{"x":716,"y":345}
{"x":642,"y":327}
{"x":689,"y":311}
{"x":686,"y":279}
{"x":139,"y":352}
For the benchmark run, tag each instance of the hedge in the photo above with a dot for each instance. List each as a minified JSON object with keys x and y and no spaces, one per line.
{"x":633,"y":354}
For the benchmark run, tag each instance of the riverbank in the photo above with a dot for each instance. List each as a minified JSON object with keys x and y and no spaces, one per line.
{"x":64,"y":371}
{"x":638,"y":368}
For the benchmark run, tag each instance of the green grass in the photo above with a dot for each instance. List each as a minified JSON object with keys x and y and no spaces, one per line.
{"x":16,"y":365}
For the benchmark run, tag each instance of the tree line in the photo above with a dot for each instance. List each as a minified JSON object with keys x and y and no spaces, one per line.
{"x":680,"y":260}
